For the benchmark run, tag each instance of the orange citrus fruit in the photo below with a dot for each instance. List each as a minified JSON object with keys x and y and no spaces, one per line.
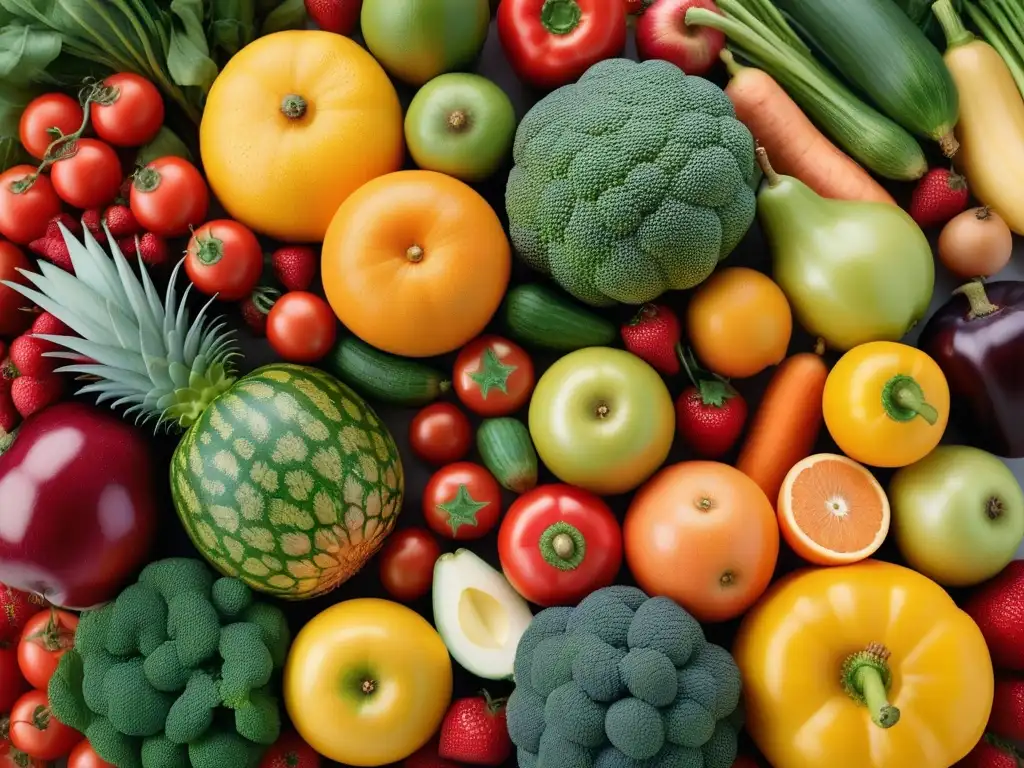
{"x":832,"y":511}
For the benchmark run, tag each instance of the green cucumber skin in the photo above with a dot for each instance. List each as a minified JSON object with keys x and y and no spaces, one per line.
{"x":507,"y":451}
{"x":540,"y":316}
{"x":384,"y":377}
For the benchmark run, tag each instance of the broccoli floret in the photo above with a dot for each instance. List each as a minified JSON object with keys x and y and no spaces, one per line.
{"x":545,"y":624}
{"x":672,"y":756}
{"x":175,"y":575}
{"x":160,"y":752}
{"x":688,"y":724}
{"x":631,"y":182}
{"x":91,"y":635}
{"x":134,"y":707}
{"x":247,"y":663}
{"x":259,"y":720}
{"x":552,"y":663}
{"x":65,"y":692}
{"x":634,"y":727}
{"x":578,"y":718}
{"x":192,"y":712}
{"x":140,"y":621}
{"x":231,"y":597}
{"x":95,"y":668}
{"x":602,"y":614}
{"x":650,"y":676}
{"x":274,"y":626}
{"x":219,"y":749}
{"x":525,"y":718}
{"x":720,"y":750}
{"x":596,"y":668}
{"x":660,"y":624}
{"x":555,"y":749}
{"x":193,"y":623}
{"x":719,"y":665}
{"x":112,"y":745}
{"x":164,"y":669}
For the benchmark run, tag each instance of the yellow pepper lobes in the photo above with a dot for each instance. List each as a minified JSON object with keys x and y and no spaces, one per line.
{"x":886,"y":404}
{"x":863,"y":666}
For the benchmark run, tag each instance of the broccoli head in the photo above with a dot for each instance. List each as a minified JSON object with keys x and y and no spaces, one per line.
{"x":178,"y":671}
{"x":635,"y":180}
{"x":619,"y":681}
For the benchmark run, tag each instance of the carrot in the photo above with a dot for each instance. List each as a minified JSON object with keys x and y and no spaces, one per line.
{"x":797,"y":148}
{"x":786,"y":425}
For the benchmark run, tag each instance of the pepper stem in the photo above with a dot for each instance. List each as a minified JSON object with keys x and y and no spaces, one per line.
{"x":414,"y":253}
{"x":293,"y":106}
{"x":867,"y":678}
{"x":562,"y":546}
{"x":974,"y":292}
{"x":560,"y":17}
{"x":766,"y":167}
{"x":903,"y":399}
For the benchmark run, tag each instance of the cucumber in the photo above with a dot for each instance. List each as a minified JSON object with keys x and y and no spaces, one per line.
{"x":385,"y":378}
{"x":541,"y":316}
{"x":507,"y":451}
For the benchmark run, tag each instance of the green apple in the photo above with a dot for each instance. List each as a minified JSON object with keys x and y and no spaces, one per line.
{"x":958,"y":515}
{"x":602,"y":419}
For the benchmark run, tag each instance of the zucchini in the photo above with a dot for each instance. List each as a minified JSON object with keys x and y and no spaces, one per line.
{"x":506,"y":449}
{"x":875,"y":46}
{"x":542,"y":316}
{"x":383,"y":377}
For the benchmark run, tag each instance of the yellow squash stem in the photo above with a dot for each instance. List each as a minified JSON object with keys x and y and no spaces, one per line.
{"x":866,"y":678}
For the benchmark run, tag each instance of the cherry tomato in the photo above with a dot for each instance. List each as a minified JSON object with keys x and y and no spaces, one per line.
{"x":224,"y":258}
{"x":12,"y":682}
{"x":558,"y":543}
{"x":169,"y":197}
{"x":24,"y":213}
{"x":44,"y":114}
{"x":407,"y":564}
{"x":90,"y":177}
{"x":440,"y":434}
{"x":84,"y":756}
{"x":493,"y":376}
{"x":13,"y":318}
{"x":462,"y":501}
{"x":36,"y":732}
{"x":301,"y":327}
{"x":45,"y":638}
{"x":15,"y":758}
{"x":133,"y":114}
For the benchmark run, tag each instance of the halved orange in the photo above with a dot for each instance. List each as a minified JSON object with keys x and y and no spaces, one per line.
{"x":832,"y":511}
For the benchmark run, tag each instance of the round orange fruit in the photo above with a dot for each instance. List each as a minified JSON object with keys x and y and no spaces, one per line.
{"x":832,"y":511}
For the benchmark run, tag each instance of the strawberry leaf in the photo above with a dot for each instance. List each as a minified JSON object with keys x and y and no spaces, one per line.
{"x":714,"y":392}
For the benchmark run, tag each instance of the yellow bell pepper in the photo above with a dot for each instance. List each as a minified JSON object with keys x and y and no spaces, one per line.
{"x":863,"y":666}
{"x":886,"y":404}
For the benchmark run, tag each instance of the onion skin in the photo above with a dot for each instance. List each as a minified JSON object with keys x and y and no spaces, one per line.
{"x":975,"y":243}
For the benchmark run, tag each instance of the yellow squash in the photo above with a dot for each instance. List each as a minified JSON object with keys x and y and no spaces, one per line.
{"x":991,"y":125}
{"x":863,"y":666}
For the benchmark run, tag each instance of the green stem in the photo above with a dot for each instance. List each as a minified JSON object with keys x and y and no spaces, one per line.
{"x":732,"y":66}
{"x":867,"y":678}
{"x":903,"y":400}
{"x":560,"y":17}
{"x":770,"y":16}
{"x":293,"y":106}
{"x":952,"y":27}
{"x":1004,"y":23}
{"x":766,"y":167}
{"x":996,"y":39}
{"x":976,"y":296}
{"x":562,"y":546}
{"x":7,"y":440}
{"x":1013,"y":11}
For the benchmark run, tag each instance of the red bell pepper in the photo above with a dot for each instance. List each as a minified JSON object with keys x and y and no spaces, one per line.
{"x":550,"y":43}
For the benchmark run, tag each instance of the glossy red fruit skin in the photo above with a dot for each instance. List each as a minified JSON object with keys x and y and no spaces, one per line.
{"x":997,"y":606}
{"x":662,"y":33}
{"x":1007,"y":718}
{"x":79,"y":508}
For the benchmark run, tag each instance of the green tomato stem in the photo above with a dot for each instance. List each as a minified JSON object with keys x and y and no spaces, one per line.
{"x":867,"y":678}
{"x":560,"y":17}
{"x":562,"y":546}
{"x":293,"y":106}
{"x":903,"y":400}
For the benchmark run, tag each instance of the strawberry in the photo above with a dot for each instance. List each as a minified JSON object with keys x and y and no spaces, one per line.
{"x":1007,"y":718}
{"x":153,"y":250}
{"x":92,"y":220}
{"x":48,"y":324}
{"x":337,"y":16}
{"x":54,"y":250}
{"x":992,"y":752}
{"x":52,"y":230}
{"x":294,"y":266}
{"x":290,"y":751}
{"x":710,"y":414}
{"x":939,"y":196}
{"x":256,"y":308}
{"x":129,"y":247}
{"x":9,"y":416}
{"x":32,"y":394}
{"x":997,"y":606}
{"x":653,"y":335}
{"x":473,"y":731}
{"x":16,"y":608}
{"x":3,"y":350}
{"x":27,"y":355}
{"x":427,"y":757}
{"x":121,"y":222}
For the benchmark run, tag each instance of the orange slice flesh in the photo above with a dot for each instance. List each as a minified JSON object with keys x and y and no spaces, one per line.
{"x":832,"y":511}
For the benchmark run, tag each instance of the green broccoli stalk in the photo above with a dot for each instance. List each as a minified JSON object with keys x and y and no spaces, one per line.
{"x":178,"y":671}
{"x":622,"y":680}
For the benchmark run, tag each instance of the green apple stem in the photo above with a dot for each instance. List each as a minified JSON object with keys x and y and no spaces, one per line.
{"x":866,"y":678}
{"x":903,"y":400}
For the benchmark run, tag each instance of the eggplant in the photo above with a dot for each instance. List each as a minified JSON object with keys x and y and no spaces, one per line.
{"x":977,"y":338}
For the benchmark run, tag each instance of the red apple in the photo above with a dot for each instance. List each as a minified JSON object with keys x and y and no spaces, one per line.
{"x":661,"y":33}
{"x":77,"y":505}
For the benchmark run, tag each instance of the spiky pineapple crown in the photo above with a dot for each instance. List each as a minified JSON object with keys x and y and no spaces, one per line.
{"x":143,"y":352}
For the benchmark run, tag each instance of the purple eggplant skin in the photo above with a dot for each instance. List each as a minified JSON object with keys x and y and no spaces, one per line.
{"x":977,"y":338}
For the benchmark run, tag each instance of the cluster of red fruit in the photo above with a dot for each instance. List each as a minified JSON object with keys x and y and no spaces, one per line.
{"x":28,"y":383}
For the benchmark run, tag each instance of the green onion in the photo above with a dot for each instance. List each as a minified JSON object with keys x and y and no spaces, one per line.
{"x":1001,"y":33}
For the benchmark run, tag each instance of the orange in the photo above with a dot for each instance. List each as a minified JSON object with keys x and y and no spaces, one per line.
{"x":416,"y":263}
{"x":739,"y":322}
{"x":832,"y":511}
{"x":705,"y":535}
{"x":294,"y":123}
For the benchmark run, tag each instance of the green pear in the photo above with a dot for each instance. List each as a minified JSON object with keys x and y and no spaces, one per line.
{"x":853,"y":271}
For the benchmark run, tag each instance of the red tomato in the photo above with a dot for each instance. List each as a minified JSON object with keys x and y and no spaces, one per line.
{"x":12,"y":682}
{"x":440,"y":434}
{"x":133,"y":113}
{"x":90,"y":177}
{"x":15,"y":758}
{"x":301,"y":327}
{"x":407,"y":564}
{"x":84,"y":756}
{"x":169,"y":197}
{"x":45,"y":638}
{"x":289,"y":751}
{"x":36,"y":732}
{"x":13,"y":320}
{"x":224,"y":258}
{"x":493,"y":376}
{"x":44,"y":114}
{"x":462,"y":501}
{"x":24,"y":213}
{"x":559,"y":543}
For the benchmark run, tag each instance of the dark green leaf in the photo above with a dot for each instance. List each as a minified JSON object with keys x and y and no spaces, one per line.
{"x":188,"y":59}
{"x":13,"y":101}
{"x":166,"y":144}
{"x":290,"y":14}
{"x":25,"y":53}
{"x":232,"y":25}
{"x":12,"y":153}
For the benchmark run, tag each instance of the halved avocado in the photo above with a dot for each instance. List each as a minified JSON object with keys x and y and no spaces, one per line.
{"x":478,"y":614}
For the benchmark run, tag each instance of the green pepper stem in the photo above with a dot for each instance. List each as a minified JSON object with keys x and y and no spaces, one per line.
{"x":976,"y":296}
{"x":560,"y":17}
{"x":766,"y":167}
{"x":562,"y":546}
{"x":903,"y":399}
{"x":867,"y":678}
